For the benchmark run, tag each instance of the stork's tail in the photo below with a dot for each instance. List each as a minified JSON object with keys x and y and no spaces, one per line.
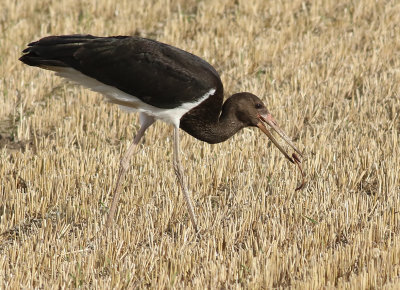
{"x":54,"y":51}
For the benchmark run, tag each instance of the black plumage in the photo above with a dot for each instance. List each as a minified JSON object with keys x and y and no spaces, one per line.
{"x":159,"y":74}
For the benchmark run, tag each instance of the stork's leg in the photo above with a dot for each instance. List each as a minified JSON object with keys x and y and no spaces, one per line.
{"x":181,"y":178}
{"x":145,"y":122}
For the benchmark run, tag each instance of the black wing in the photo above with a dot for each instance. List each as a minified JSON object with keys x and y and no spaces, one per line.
{"x":159,"y":74}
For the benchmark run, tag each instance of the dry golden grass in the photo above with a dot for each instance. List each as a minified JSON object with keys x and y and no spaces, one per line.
{"x":328,"y":71}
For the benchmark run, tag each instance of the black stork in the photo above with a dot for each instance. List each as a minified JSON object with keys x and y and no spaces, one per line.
{"x":159,"y":81}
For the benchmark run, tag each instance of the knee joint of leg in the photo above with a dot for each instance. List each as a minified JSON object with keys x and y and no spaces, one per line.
{"x":176,"y":167}
{"x":124,"y":164}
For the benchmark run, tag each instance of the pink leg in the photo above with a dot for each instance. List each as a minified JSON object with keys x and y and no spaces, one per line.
{"x":181,"y":179}
{"x":146,"y":121}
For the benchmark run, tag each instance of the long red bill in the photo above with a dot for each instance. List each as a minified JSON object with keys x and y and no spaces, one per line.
{"x":271,"y":122}
{"x":295,"y":158}
{"x":268,"y":133}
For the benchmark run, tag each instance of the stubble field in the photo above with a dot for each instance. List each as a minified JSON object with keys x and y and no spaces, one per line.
{"x":329,"y":71}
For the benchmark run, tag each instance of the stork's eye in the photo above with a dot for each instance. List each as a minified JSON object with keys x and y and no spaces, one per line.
{"x":258,"y":106}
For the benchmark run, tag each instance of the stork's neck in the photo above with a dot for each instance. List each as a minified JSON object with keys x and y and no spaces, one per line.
{"x":210,"y":121}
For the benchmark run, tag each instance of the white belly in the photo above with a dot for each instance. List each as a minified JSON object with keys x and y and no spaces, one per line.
{"x":128,"y":102}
